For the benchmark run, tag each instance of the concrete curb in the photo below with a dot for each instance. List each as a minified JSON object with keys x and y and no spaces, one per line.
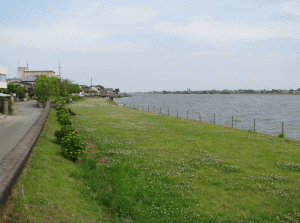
{"x":12,"y":164}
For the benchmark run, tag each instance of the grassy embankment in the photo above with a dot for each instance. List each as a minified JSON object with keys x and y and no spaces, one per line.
{"x":146,"y":167}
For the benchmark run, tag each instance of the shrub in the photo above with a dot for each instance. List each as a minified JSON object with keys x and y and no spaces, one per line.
{"x":10,"y":108}
{"x":59,"y":108}
{"x":281,"y":135}
{"x":66,"y":130}
{"x":59,"y":101}
{"x":64,"y":119}
{"x":61,"y":111}
{"x":111,"y":98}
{"x":72,"y":147}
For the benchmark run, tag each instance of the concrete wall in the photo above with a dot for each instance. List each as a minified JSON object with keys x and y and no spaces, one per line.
{"x":32,"y":73}
{"x":21,"y":71}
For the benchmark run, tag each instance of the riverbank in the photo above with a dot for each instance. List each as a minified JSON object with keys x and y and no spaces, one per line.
{"x":145,"y":167}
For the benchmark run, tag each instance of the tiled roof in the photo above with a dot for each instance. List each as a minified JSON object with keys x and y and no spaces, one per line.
{"x":30,"y":78}
{"x":108,"y":89}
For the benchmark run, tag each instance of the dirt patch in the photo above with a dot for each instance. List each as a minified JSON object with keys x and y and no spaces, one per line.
{"x":103,"y":160}
{"x":8,"y":213}
{"x":90,"y":144}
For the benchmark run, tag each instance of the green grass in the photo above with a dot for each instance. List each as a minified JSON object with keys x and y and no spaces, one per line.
{"x":172,"y":169}
{"x":45,"y":191}
{"x":146,"y":167}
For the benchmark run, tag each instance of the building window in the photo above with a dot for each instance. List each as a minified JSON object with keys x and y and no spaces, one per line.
{"x":2,"y":78}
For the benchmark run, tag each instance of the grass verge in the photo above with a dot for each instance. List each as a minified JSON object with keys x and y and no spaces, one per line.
{"x":45,"y":191}
{"x":146,"y":167}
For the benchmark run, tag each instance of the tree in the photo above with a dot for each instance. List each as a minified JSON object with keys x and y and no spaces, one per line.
{"x":21,"y":92}
{"x":74,"y":88}
{"x":64,"y":88}
{"x":117,"y":90}
{"x":100,"y":86}
{"x":42,"y":88}
{"x":11,"y":87}
{"x":54,"y":84}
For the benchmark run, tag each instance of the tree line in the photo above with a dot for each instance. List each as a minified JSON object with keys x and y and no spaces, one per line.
{"x":46,"y":88}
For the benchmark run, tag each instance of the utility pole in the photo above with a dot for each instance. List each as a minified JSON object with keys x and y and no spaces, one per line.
{"x":91,"y":82}
{"x":59,"y":70}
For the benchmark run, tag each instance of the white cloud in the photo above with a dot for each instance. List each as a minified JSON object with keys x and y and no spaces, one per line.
{"x":291,"y":7}
{"x":106,"y":13}
{"x":69,"y":35}
{"x":198,"y":54}
{"x":222,"y":30}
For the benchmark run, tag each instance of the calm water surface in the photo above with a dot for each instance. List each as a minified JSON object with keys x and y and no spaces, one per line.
{"x":269,"y":111}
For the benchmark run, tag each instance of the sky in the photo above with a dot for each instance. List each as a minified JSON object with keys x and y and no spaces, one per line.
{"x":156,"y":45}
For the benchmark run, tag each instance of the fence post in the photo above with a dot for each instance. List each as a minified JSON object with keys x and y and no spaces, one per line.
{"x":254,"y":125}
{"x":232,"y":122}
{"x":282,"y":127}
{"x":200,"y":116}
{"x":168,"y":111}
{"x":187,"y":114}
{"x":130,"y":105}
{"x":177,"y":113}
{"x":159,"y":110}
{"x":214,"y":118}
{"x":148,"y":107}
{"x":138,"y":106}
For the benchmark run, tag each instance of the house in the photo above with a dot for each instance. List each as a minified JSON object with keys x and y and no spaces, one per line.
{"x":27,"y":82}
{"x":95,"y":89}
{"x":13,"y":80}
{"x":85,"y":88}
{"x":3,"y":74}
{"x":106,"y":91}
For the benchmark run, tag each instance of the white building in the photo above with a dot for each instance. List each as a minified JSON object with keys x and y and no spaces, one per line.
{"x":3,"y":74}
{"x":25,"y":72}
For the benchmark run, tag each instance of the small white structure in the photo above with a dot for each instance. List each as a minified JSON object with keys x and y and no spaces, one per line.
{"x":3,"y":74}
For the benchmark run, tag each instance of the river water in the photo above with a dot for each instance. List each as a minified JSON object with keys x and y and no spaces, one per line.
{"x":269,"y":111}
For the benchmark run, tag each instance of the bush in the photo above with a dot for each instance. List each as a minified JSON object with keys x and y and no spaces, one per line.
{"x":10,"y":108}
{"x":61,"y":111}
{"x":111,"y":98}
{"x":64,"y":119}
{"x":59,"y":101}
{"x":281,"y":135}
{"x":72,"y":147}
{"x":66,"y":130}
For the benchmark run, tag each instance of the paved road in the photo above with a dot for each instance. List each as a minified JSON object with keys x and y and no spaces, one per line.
{"x":13,"y":128}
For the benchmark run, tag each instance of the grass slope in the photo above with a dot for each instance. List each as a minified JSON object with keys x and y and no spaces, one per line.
{"x":146,"y":167}
{"x":177,"y":170}
{"x":45,"y":191}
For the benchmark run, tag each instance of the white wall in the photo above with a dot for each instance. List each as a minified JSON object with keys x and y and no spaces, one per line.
{"x":3,"y":85}
{"x":3,"y":70}
{"x":21,"y":71}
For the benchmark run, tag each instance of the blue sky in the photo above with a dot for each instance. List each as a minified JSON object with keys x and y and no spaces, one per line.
{"x":156,"y":44}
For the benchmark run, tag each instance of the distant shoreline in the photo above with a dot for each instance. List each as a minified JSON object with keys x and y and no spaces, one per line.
{"x":229,"y":93}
